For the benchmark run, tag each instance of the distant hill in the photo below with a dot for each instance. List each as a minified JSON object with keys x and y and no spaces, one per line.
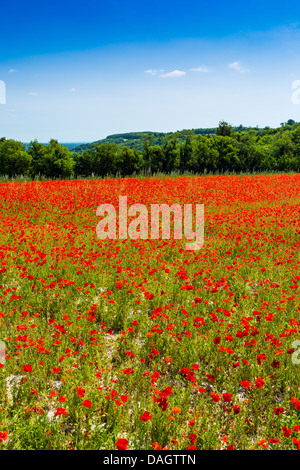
{"x":70,"y":145}
{"x":136,"y":139}
{"x":129,"y":139}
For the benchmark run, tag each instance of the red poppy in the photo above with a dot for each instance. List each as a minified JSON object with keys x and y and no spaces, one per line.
{"x":227,"y":397}
{"x":236,"y":409}
{"x":3,"y":436}
{"x":245,"y":384}
{"x":122,"y":444}
{"x":146,"y":416}
{"x":87,"y":403}
{"x":286,"y":432}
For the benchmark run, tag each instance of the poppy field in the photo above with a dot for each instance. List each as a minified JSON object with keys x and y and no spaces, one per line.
{"x":141,"y":344}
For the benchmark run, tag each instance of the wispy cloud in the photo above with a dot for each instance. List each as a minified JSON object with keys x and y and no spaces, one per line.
{"x":32,"y":93}
{"x":154,"y":72}
{"x":12,"y":70}
{"x":174,"y":73}
{"x":72,"y":89}
{"x":202,"y":69}
{"x":238,"y":67}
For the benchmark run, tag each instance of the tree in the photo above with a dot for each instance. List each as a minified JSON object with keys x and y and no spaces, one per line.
{"x":14,"y":160}
{"x":204,"y":156}
{"x":284,"y":150}
{"x":105,"y":158}
{"x":84,"y":163}
{"x":228,"y":153}
{"x":186,"y":153}
{"x":37,"y":152}
{"x":129,"y":161}
{"x":171,"y":160}
{"x":155,"y":158}
{"x":56,"y":161}
{"x":147,"y":142}
{"x":224,"y":129}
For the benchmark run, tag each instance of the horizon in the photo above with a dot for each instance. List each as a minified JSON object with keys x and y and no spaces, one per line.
{"x":112,"y":67}
{"x":128,"y":132}
{"x":133,"y":132}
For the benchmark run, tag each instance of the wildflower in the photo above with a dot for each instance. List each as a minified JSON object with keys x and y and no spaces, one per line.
{"x":286,"y":432}
{"x":3,"y":436}
{"x":236,"y":409}
{"x":259,"y":383}
{"x":80,"y":392}
{"x":156,"y":446}
{"x":60,"y":411}
{"x":87,"y":403}
{"x":176,"y":409}
{"x":215,"y":397}
{"x":227,"y":397}
{"x":122,"y":444}
{"x":245,"y":384}
{"x":146,"y":416}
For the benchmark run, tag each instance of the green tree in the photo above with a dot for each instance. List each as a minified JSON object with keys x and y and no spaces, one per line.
{"x":105,"y":159}
{"x":129,"y":161}
{"x":147,"y":142}
{"x":205,"y":156}
{"x":284,"y":151}
{"x":224,"y":129}
{"x":291,"y":122}
{"x":186,"y":153}
{"x":228,"y":153}
{"x":14,"y":160}
{"x":84,"y":163}
{"x":155,"y":158}
{"x":171,"y":160}
{"x":37,"y":152}
{"x":57,"y":161}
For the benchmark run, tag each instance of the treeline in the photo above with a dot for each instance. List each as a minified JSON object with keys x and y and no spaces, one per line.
{"x":224,"y":151}
{"x":135,"y":140}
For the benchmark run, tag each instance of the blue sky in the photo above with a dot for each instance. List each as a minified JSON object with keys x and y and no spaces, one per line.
{"x":79,"y":71}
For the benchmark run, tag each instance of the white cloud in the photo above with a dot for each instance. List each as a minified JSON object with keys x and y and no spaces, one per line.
{"x":72,"y":89}
{"x":202,"y":68}
{"x":174,"y":73}
{"x":12,"y":70}
{"x":32,"y":93}
{"x":153,"y":72}
{"x":238,"y":67}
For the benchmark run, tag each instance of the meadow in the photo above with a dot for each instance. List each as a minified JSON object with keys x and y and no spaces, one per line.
{"x":141,"y":344}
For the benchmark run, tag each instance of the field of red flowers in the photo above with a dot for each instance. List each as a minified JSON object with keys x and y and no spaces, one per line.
{"x":140,"y":344}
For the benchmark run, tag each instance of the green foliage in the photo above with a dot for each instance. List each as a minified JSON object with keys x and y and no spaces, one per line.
{"x":129,"y":161}
{"x":53,"y":160}
{"x":216,"y":150}
{"x":204,"y":155}
{"x":37,"y":152}
{"x":14,"y":160}
{"x":224,"y":129}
